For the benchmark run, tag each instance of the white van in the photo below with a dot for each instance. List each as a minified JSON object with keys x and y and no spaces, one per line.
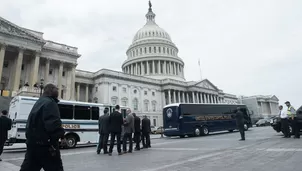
{"x":79,"y":119}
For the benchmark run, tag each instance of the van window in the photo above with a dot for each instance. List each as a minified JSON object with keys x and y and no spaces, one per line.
{"x":66,"y":111}
{"x":95,"y":113}
{"x":82,"y":112}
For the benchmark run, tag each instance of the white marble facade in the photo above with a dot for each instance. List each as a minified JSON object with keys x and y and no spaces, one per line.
{"x":152,"y":77}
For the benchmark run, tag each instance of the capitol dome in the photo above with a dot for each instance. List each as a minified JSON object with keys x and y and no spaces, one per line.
{"x":152,"y":53}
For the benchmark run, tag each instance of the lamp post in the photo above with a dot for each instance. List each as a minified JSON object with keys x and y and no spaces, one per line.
{"x":41,"y":86}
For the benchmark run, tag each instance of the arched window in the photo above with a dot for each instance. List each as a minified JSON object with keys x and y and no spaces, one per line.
{"x":135,"y":104}
{"x":146,"y":105}
{"x":168,"y":50}
{"x":154,"y":49}
{"x":150,"y":49}
{"x":145,"y":49}
{"x":164,"y":49}
{"x":136,"y":52}
{"x":140,"y":51}
{"x":159,"y":49}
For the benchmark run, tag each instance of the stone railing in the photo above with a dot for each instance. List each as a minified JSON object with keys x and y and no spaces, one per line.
{"x":85,"y":74}
{"x":28,"y":91}
{"x":61,"y":47}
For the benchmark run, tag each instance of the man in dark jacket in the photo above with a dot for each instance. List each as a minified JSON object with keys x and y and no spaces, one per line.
{"x":5,"y":126}
{"x":240,"y":123}
{"x":115,"y":122}
{"x":43,"y":131}
{"x":146,"y":129}
{"x":137,"y":131}
{"x":103,"y":131}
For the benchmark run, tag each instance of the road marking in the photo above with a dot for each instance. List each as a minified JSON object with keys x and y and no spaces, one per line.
{"x":186,"y":149}
{"x":283,"y":149}
{"x":185,"y":161}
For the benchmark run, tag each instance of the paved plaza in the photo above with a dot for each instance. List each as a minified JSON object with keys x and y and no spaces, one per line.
{"x":264,"y":150}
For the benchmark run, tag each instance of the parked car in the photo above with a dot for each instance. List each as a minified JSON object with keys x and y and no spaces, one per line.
{"x":160,"y":130}
{"x":263,"y":122}
{"x":153,"y":129}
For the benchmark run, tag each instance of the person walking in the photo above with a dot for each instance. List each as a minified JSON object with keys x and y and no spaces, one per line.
{"x":43,"y":131}
{"x":284,"y":122}
{"x":146,"y":129}
{"x":128,"y":130}
{"x":115,"y":122}
{"x":137,"y":131}
{"x":5,"y":126}
{"x":240,"y":123}
{"x":291,"y":112}
{"x":103,"y":132}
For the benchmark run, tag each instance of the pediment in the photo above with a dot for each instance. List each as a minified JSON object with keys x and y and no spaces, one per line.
{"x":274,"y":98}
{"x":12,"y":29}
{"x":206,"y":84}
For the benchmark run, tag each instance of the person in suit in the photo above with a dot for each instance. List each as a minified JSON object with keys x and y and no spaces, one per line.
{"x":103,"y":131}
{"x":5,"y":126}
{"x":137,"y":131}
{"x":240,"y":123}
{"x":146,"y":129}
{"x":115,"y":123}
{"x":128,"y":130}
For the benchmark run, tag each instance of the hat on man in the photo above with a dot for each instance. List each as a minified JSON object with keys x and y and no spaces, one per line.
{"x":287,"y":102}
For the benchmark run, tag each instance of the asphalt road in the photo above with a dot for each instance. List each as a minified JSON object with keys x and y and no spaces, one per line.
{"x":264,"y":149}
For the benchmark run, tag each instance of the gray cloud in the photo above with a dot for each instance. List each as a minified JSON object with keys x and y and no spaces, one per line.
{"x":245,"y":47}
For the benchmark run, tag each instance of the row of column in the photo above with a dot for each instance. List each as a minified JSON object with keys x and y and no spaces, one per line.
{"x":154,"y":67}
{"x":86,"y":92}
{"x":174,"y":96}
{"x":33,"y":77}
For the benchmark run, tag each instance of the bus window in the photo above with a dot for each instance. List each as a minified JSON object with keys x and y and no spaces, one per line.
{"x":95,"y":113}
{"x":66,"y":111}
{"x":82,"y":112}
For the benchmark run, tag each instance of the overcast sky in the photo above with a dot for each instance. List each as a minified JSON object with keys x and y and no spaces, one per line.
{"x":246,"y":47}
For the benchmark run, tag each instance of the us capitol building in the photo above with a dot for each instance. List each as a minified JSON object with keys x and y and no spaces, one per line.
{"x":152,"y":75}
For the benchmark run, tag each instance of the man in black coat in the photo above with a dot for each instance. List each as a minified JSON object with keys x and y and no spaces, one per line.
{"x":5,"y":126}
{"x":137,"y":131}
{"x":115,"y":122}
{"x":240,"y":123}
{"x":103,"y":131}
{"x":43,"y":131}
{"x":146,"y":129}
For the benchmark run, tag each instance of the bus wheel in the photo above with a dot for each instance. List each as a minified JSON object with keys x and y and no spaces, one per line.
{"x":204,"y":130}
{"x":246,"y":127}
{"x":71,"y":141}
{"x":197,"y":132}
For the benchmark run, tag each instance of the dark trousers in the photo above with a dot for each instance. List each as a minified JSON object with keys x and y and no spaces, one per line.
{"x":103,"y":141}
{"x":285,"y":127}
{"x":38,"y":157}
{"x":2,"y":142}
{"x":127,"y":136}
{"x":137,"y":137}
{"x":296,"y":128}
{"x":118,"y":141}
{"x":146,"y":139}
{"x":242,"y":132}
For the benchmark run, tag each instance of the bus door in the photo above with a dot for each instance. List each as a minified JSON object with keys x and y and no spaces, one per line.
{"x":171,"y":118}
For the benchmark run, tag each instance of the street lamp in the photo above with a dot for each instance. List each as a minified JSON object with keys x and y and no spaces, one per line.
{"x":41,"y":86}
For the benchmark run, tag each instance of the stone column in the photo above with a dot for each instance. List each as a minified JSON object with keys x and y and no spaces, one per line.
{"x":35,"y":70}
{"x":72,"y":84}
{"x":201,"y":98}
{"x":206,"y":98}
{"x":174,"y":96}
{"x":18,"y":69}
{"x":2,"y":54}
{"x":47,"y":64}
{"x":60,"y":78}
{"x":175,"y":69}
{"x":169,"y":96}
{"x":188,"y":100}
{"x":78,"y":92}
{"x":183,"y":97}
{"x":158,"y":67}
{"x":165,"y":67}
{"x":212,"y":97}
{"x":87,"y":93}
{"x":143,"y":68}
{"x":153,"y":67}
{"x":164,"y":98}
{"x":179,"y":101}
{"x":148,"y":69}
{"x":170,"y":68}
{"x":198,"y":97}
{"x":193,"y":97}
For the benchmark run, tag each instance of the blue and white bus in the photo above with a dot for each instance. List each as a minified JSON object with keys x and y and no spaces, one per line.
{"x":79,"y":119}
{"x":201,"y":119}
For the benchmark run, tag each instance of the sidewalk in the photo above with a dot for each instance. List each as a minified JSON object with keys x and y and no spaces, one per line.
{"x":5,"y":166}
